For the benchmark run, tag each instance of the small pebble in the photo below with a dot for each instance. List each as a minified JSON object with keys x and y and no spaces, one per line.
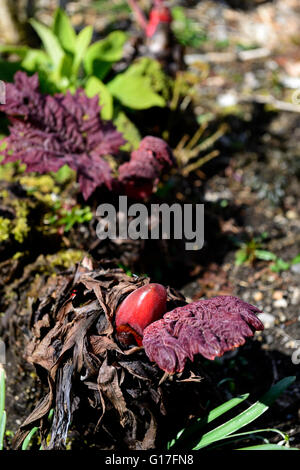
{"x":295,"y":268}
{"x":290,"y":82}
{"x":292,"y":215}
{"x":282,"y":317}
{"x":291,"y":344}
{"x":258,"y":296}
{"x":227,"y":99}
{"x":267,"y":319}
{"x":280,"y":303}
{"x":277,"y":295}
{"x":269,"y":339}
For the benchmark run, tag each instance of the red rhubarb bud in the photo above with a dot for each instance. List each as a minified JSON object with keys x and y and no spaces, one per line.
{"x":140,"y":308}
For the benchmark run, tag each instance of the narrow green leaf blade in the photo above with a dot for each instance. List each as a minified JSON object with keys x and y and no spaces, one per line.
{"x":296,"y":260}
{"x":50,"y":42}
{"x":2,"y":429}
{"x":63,"y":30}
{"x":211,"y":416}
{"x":28,"y":438}
{"x":265,"y":255}
{"x":247,"y":416}
{"x":267,"y":447}
{"x":82,"y":42}
{"x":2,"y":391}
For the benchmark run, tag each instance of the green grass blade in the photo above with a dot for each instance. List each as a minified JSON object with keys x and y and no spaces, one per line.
{"x":2,"y":406}
{"x":249,"y":433}
{"x":28,"y":438}
{"x":2,"y":391}
{"x":2,"y":429}
{"x":211,"y":416}
{"x":267,"y":447}
{"x":247,"y":416}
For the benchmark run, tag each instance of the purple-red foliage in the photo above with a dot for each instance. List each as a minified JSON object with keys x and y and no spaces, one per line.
{"x":208,"y":327}
{"x":140,"y":175}
{"x":48,"y":132}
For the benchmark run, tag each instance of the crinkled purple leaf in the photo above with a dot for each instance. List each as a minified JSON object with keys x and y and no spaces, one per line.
{"x":48,"y":132}
{"x":208,"y":327}
{"x":147,"y":163}
{"x":158,"y":149}
{"x":22,"y":96}
{"x":139,"y":169}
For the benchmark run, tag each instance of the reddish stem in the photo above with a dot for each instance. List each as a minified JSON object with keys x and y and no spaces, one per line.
{"x":139,"y":14}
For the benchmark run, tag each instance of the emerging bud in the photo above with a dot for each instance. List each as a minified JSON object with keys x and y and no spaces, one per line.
{"x":140,"y":308}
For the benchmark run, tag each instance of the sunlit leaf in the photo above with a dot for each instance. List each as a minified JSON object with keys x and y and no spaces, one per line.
{"x":63,"y":30}
{"x":82,"y":42}
{"x":51,"y":44}
{"x":102,"y":54}
{"x":93,"y":87}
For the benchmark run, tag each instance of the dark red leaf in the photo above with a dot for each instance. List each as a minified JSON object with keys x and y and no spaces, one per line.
{"x":147,"y":163}
{"x":208,"y":327}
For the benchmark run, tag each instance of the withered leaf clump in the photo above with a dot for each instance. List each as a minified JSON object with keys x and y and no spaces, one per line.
{"x":74,"y":349}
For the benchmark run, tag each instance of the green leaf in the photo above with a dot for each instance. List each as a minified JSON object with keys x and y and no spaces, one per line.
{"x":296,"y":260}
{"x":129,"y":130}
{"x":109,"y":49}
{"x":2,"y":391}
{"x":28,"y":438}
{"x":63,"y":30}
{"x":2,"y":429}
{"x":2,"y":406}
{"x":241,"y":256}
{"x":93,"y":87}
{"x":35,"y":59}
{"x":66,"y":69}
{"x":21,"y":51}
{"x":249,"y":434}
{"x":82,"y":42}
{"x":265,"y":255}
{"x":267,"y":447}
{"x":247,"y":416}
{"x":280,"y":265}
{"x":135,"y":91}
{"x":51,"y":44}
{"x":102,"y":54}
{"x":64,"y":174}
{"x":211,"y":416}
{"x":31,"y":59}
